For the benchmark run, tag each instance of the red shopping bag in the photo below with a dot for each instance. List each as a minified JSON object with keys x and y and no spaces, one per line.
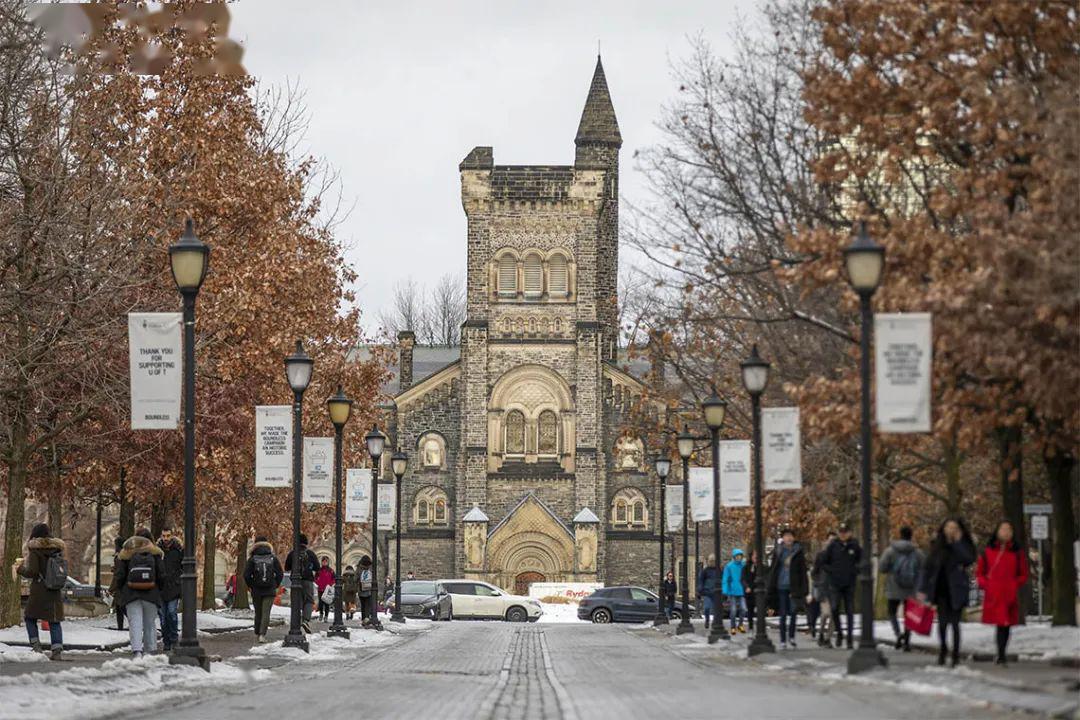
{"x":918,"y":617}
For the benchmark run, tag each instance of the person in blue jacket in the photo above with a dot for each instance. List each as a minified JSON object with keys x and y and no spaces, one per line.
{"x":731,"y":585}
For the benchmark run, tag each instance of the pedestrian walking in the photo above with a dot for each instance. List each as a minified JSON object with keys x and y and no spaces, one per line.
{"x":366,"y":593}
{"x":788,"y":579}
{"x":1001,"y":571}
{"x":731,"y":586}
{"x":263,"y":574}
{"x":44,"y":566}
{"x":945,"y":581}
{"x":821,"y":592}
{"x":324,"y":579}
{"x":670,"y":588}
{"x":309,"y":563}
{"x":841,"y":562}
{"x":173,"y":558}
{"x":749,"y":578}
{"x":350,"y":587}
{"x":230,"y":590}
{"x":902,"y":564}
{"x":707,"y":581}
{"x":141,"y":575}
{"x":114,"y":584}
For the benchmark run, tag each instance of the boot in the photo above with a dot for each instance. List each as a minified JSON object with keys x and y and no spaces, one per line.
{"x":907,"y":641}
{"x":55,"y":652}
{"x":941,"y":656}
{"x":955,"y":659}
{"x":35,"y":645}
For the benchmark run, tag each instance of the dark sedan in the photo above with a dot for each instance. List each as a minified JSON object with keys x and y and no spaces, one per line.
{"x":424,"y":599}
{"x":623,"y":604}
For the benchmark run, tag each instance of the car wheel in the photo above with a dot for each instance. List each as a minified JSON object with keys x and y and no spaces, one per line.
{"x":676,"y":615}
{"x":601,"y":616}
{"x":517,"y":614}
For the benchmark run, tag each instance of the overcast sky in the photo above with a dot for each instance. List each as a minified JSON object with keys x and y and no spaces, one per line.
{"x":399,"y":92}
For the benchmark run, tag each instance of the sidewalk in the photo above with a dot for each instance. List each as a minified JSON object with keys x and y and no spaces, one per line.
{"x":1041,"y":686}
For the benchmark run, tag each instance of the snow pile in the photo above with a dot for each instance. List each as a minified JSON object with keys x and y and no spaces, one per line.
{"x":559,"y":613}
{"x":1034,"y":641}
{"x":220,"y":622}
{"x":9,"y":653}
{"x":81,"y":633}
{"x":117,"y":686}
{"x":323,"y":648}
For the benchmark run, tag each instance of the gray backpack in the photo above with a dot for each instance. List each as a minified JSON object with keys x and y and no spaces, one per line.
{"x":56,"y":574}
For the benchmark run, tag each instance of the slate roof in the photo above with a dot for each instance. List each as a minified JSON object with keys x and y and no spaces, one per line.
{"x":598,"y":123}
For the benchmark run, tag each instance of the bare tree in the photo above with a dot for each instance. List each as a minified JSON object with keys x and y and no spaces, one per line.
{"x":406,"y":311}
{"x":444,"y":311}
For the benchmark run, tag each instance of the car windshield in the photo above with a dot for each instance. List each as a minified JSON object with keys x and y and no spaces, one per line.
{"x":418,"y":587}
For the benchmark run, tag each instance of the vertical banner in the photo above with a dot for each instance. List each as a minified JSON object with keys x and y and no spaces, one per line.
{"x":781,"y":451}
{"x":735,"y":473}
{"x":903,"y":353}
{"x":156,"y":364}
{"x":273,"y":446}
{"x":386,"y":506}
{"x":701,"y":495}
{"x":358,"y":495}
{"x":318,"y":468}
{"x":675,"y":510}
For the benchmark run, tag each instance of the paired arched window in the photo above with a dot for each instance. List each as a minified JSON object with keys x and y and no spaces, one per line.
{"x":515,"y":433}
{"x":547,"y":433}
{"x":507,"y":276}
{"x":430,"y":507}
{"x":629,"y":509}
{"x":533,"y":276}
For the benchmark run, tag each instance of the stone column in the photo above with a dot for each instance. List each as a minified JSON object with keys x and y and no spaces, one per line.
{"x":586,"y":526}
{"x":475,"y":524}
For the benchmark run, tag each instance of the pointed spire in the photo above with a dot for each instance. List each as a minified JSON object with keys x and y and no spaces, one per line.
{"x":598,"y":124}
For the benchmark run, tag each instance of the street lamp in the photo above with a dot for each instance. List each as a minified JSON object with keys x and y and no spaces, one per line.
{"x":376,"y":443}
{"x":865,"y":261}
{"x":685,"y":443}
{"x":340,"y":408}
{"x":755,"y":377}
{"x":399,"y":463}
{"x":189,"y":259}
{"x":298,"y":366}
{"x":663,"y":466}
{"x":714,"y":409}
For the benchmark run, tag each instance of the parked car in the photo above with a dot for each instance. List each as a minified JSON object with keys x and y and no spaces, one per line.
{"x":626,"y":603}
{"x":424,"y":599}
{"x":476,"y":599}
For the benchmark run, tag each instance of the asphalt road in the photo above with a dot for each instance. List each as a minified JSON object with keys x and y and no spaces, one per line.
{"x":502,"y":670}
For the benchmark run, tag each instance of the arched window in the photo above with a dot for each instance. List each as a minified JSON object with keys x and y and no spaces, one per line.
{"x":534,"y":276}
{"x":432,"y":449}
{"x":515,"y":433}
{"x":422,"y":513}
{"x":547,"y":434}
{"x":629,"y":509}
{"x":430,"y":506}
{"x":639,"y":512}
{"x":440,"y":512}
{"x":558,"y":276}
{"x":620,"y":512}
{"x":507,"y":276}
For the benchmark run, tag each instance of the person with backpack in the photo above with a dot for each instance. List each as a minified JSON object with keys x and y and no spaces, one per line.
{"x":731,"y":586}
{"x":263,"y":575}
{"x":350,"y":587}
{"x":309,"y":563}
{"x":841,"y":562}
{"x":901,"y":563}
{"x":944,"y":581}
{"x":707,"y":580}
{"x":368,"y":618}
{"x":324,"y":578}
{"x":1001,"y":571}
{"x":141,"y":577}
{"x":749,"y":577}
{"x":44,"y":566}
{"x":170,"y":592}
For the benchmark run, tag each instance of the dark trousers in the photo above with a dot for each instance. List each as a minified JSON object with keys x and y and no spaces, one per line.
{"x":787,"y":615}
{"x":170,"y":622}
{"x":263,"y":604}
{"x":1002,"y":641}
{"x":813,"y":612}
{"x":845,"y":596}
{"x":894,"y":606}
{"x":56,"y":633}
{"x":366,"y":608}
{"x":948,"y":617}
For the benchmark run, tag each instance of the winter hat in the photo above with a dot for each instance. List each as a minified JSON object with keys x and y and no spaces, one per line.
{"x":365,"y":561}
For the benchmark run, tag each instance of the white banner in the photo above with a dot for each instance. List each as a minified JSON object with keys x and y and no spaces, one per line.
{"x":273,"y":446}
{"x":386,"y":506}
{"x":156,"y":364}
{"x":674,"y":509}
{"x":903,"y":351}
{"x":781,"y":449}
{"x":318,"y":470}
{"x":358,"y":495}
{"x":701,"y":497}
{"x":735,"y":473}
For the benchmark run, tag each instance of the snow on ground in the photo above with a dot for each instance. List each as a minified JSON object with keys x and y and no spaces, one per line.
{"x":559,"y":613}
{"x":117,"y":686}
{"x":1034,"y":641}
{"x":323,"y":648}
{"x":76,"y":632}
{"x":9,"y":653}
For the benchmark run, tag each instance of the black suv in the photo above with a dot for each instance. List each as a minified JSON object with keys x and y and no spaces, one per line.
{"x":627,"y":603}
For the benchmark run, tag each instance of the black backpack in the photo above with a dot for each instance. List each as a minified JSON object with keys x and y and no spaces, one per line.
{"x":142,"y":572}
{"x":262,"y":576}
{"x":56,"y":574}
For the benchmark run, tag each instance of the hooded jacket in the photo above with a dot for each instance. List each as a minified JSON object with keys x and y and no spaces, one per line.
{"x":135,"y":545}
{"x":43,"y":603}
{"x":173,"y":558}
{"x":262,"y":548}
{"x":350,"y":586}
{"x":731,"y":582}
{"x":841,"y":562}
{"x":899,"y":552}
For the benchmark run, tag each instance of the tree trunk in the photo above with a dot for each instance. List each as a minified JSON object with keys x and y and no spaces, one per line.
{"x":1010,"y":445}
{"x":209,"y":556}
{"x":127,"y":508}
{"x":240,"y":602}
{"x":56,"y":496}
{"x":1059,"y":467}
{"x":15,"y":516}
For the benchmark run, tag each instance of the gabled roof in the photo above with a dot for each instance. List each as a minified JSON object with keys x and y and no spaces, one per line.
{"x":586,"y":516}
{"x":598,"y":123}
{"x":475,"y":515}
{"x":543,"y":505}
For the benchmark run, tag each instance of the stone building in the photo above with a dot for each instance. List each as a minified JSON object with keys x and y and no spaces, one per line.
{"x":518,"y":470}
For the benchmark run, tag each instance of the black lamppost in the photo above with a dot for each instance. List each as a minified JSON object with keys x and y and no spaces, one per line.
{"x":399,"y":463}
{"x":755,"y":376}
{"x":340,"y":408}
{"x":697,"y":561}
{"x":376,"y":443}
{"x":714,"y":410}
{"x":663,"y":467}
{"x":865,"y":261}
{"x":685,"y":442}
{"x":189,"y":258}
{"x":97,"y":550}
{"x":298,"y":366}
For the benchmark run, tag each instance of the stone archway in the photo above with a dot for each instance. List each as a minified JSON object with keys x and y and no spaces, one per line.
{"x":530,"y":540}
{"x":525,"y":579}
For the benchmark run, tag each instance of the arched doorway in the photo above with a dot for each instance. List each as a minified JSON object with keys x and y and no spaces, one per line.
{"x":524,"y":580}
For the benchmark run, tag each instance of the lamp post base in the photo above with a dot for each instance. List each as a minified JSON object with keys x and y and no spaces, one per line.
{"x":865,"y":658}
{"x":684,"y":626}
{"x":397,"y":617}
{"x":338,"y":631}
{"x":719,"y":632}
{"x":660,"y":619}
{"x":192,"y":655}
{"x":760,"y":646}
{"x":298,"y":640}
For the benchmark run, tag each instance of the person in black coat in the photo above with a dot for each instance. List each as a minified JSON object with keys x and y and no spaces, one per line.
{"x":670,"y":588}
{"x":841,"y":563}
{"x":263,"y":574}
{"x":749,"y":577}
{"x":170,"y":592}
{"x":308,"y":566}
{"x":788,"y":580}
{"x":945,"y":581}
{"x":140,"y":575}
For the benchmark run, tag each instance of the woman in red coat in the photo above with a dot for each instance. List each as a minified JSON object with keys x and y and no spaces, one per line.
{"x":1002,"y":571}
